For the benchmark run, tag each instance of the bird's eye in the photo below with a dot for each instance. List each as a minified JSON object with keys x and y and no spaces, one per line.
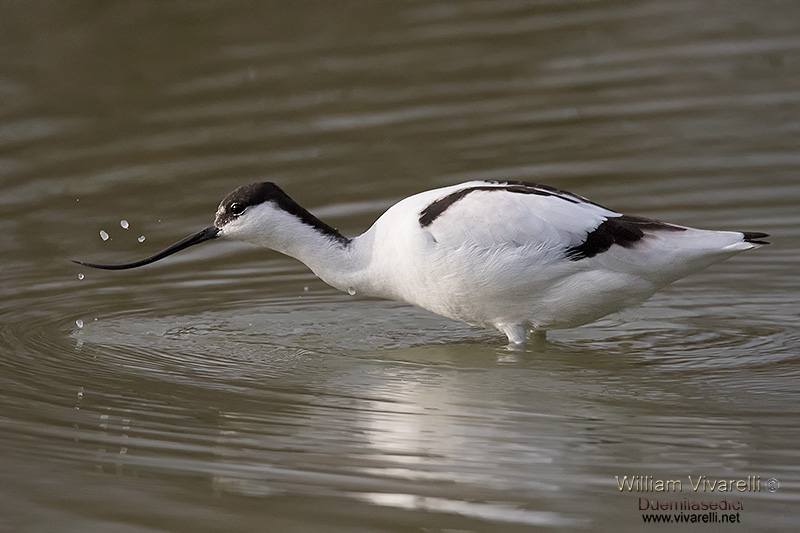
{"x":237,"y":208}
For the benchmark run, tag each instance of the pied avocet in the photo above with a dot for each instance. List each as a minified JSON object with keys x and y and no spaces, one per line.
{"x":515,"y":256}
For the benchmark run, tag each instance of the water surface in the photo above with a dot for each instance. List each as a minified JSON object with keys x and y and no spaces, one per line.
{"x":229,"y":389}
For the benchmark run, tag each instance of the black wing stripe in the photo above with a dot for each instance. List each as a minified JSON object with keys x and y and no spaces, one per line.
{"x":624,"y":231}
{"x":753,"y":237}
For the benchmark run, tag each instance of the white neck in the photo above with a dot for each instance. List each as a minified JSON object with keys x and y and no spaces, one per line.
{"x":339,"y":263}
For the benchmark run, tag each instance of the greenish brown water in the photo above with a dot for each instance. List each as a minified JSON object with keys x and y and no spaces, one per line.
{"x":228,"y":389}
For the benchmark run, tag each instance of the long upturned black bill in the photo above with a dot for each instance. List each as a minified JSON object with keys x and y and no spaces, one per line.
{"x":201,"y":236}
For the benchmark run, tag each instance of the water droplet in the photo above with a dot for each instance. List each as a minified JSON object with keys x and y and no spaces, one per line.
{"x":103,"y":235}
{"x":351,"y":291}
{"x":80,"y":275}
{"x":305,"y":289}
{"x":124,"y":224}
{"x":79,"y":398}
{"x":141,"y":238}
{"x":79,"y":323}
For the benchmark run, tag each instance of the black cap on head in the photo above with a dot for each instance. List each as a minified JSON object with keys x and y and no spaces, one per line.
{"x":238,"y":200}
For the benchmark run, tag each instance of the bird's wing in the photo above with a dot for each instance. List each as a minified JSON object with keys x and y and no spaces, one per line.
{"x":519,"y":224}
{"x":514,"y":214}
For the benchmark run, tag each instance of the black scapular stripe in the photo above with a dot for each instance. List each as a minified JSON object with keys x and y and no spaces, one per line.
{"x":436,"y":208}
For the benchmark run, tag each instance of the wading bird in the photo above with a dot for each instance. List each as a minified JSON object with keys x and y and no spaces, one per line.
{"x":515,"y":256}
